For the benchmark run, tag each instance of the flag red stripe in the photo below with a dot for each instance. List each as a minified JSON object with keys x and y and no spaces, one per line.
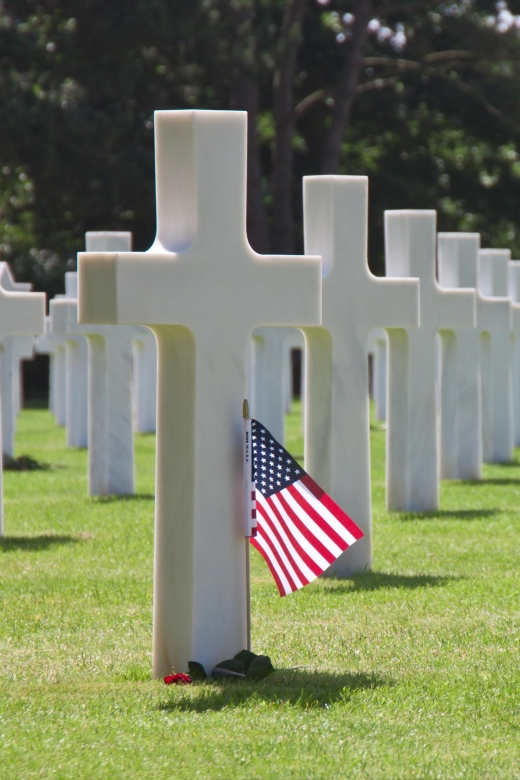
{"x":263,"y":553}
{"x":299,"y":573}
{"x":305,"y":531}
{"x":331,"y":505}
{"x":275,"y":553}
{"x":312,"y":565}
{"x":271,"y":558}
{"x":318,"y":519}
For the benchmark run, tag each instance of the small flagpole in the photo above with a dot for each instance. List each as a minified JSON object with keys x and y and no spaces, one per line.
{"x":247,"y":478}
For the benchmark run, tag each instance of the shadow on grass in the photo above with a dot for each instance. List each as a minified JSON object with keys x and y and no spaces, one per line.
{"x":307,"y":690}
{"x":489,"y":481}
{"x":130,"y":497}
{"x":378,"y":580}
{"x":506,"y":464}
{"x":34,"y":543}
{"x":451,"y":514}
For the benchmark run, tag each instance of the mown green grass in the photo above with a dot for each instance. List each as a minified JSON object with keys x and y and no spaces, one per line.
{"x":411,"y":671}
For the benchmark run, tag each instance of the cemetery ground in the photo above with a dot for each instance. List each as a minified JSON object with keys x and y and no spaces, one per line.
{"x":411,"y":671}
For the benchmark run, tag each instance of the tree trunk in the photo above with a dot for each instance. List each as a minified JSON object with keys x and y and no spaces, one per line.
{"x":244,"y":97}
{"x":346,"y":90}
{"x":283,"y":111}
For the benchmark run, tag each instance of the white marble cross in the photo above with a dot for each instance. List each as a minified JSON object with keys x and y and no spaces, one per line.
{"x":337,"y":424}
{"x":514,"y":294}
{"x":22,"y":313}
{"x":110,"y":436}
{"x":461,"y":399}
{"x":202,"y":290}
{"x":497,"y":381}
{"x":14,"y":350}
{"x":76,"y":371}
{"x":53,"y":345}
{"x":144,"y":384}
{"x":412,"y":435}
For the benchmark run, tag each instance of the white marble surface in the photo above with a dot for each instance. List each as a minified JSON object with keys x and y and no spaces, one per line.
{"x":202,"y":290}
{"x":48,"y":344}
{"x":59,"y":395}
{"x":21,"y":313}
{"x":461,"y":404}
{"x":144,"y":382}
{"x":412,"y":427}
{"x":514,"y":294}
{"x":54,"y":345}
{"x":72,"y":364}
{"x":496,"y":357}
{"x":14,"y":349}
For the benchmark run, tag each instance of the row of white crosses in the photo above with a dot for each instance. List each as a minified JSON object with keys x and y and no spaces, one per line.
{"x":203,"y":292}
{"x":476,"y":423}
{"x":99,"y":385}
{"x":68,"y":388}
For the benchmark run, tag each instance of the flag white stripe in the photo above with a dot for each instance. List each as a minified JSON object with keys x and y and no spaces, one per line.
{"x":302,"y":566}
{"x":311,"y":551}
{"x":311,"y":525}
{"x":289,"y":565}
{"x":265,"y":545}
{"x":322,"y":510}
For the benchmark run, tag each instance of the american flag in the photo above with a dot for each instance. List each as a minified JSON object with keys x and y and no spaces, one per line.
{"x":299,"y":530}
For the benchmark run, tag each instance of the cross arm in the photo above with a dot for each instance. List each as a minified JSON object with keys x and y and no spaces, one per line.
{"x":64,"y":316}
{"x":394,"y":302}
{"x":97,"y":286}
{"x":22,"y":312}
{"x":286,"y":290}
{"x":151,"y":288}
{"x":493,"y":312}
{"x":454,"y":308}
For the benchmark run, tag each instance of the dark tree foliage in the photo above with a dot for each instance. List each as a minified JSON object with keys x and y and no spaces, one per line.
{"x":424,"y":100}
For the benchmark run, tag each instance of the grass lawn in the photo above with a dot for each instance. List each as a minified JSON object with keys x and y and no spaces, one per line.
{"x":411,"y":671}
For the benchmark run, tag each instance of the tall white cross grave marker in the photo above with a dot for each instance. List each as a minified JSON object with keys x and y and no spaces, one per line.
{"x":412,"y":436}
{"x":514,"y":294}
{"x":461,"y":398}
{"x":110,"y":436}
{"x":53,"y":345}
{"x":337,"y":424}
{"x":15,"y":348}
{"x":202,"y":290}
{"x":76,"y":372}
{"x":497,"y":380}
{"x":20,"y":312}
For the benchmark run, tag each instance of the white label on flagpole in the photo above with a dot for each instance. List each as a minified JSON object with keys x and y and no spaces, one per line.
{"x":250,"y":487}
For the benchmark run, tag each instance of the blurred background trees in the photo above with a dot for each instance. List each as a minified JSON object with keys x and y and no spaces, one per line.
{"x":423,"y":97}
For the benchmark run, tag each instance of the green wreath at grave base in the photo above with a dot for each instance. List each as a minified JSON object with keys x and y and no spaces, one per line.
{"x":245,"y":665}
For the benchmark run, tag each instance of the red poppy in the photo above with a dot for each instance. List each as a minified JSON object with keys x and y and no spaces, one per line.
{"x":178,"y":679}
